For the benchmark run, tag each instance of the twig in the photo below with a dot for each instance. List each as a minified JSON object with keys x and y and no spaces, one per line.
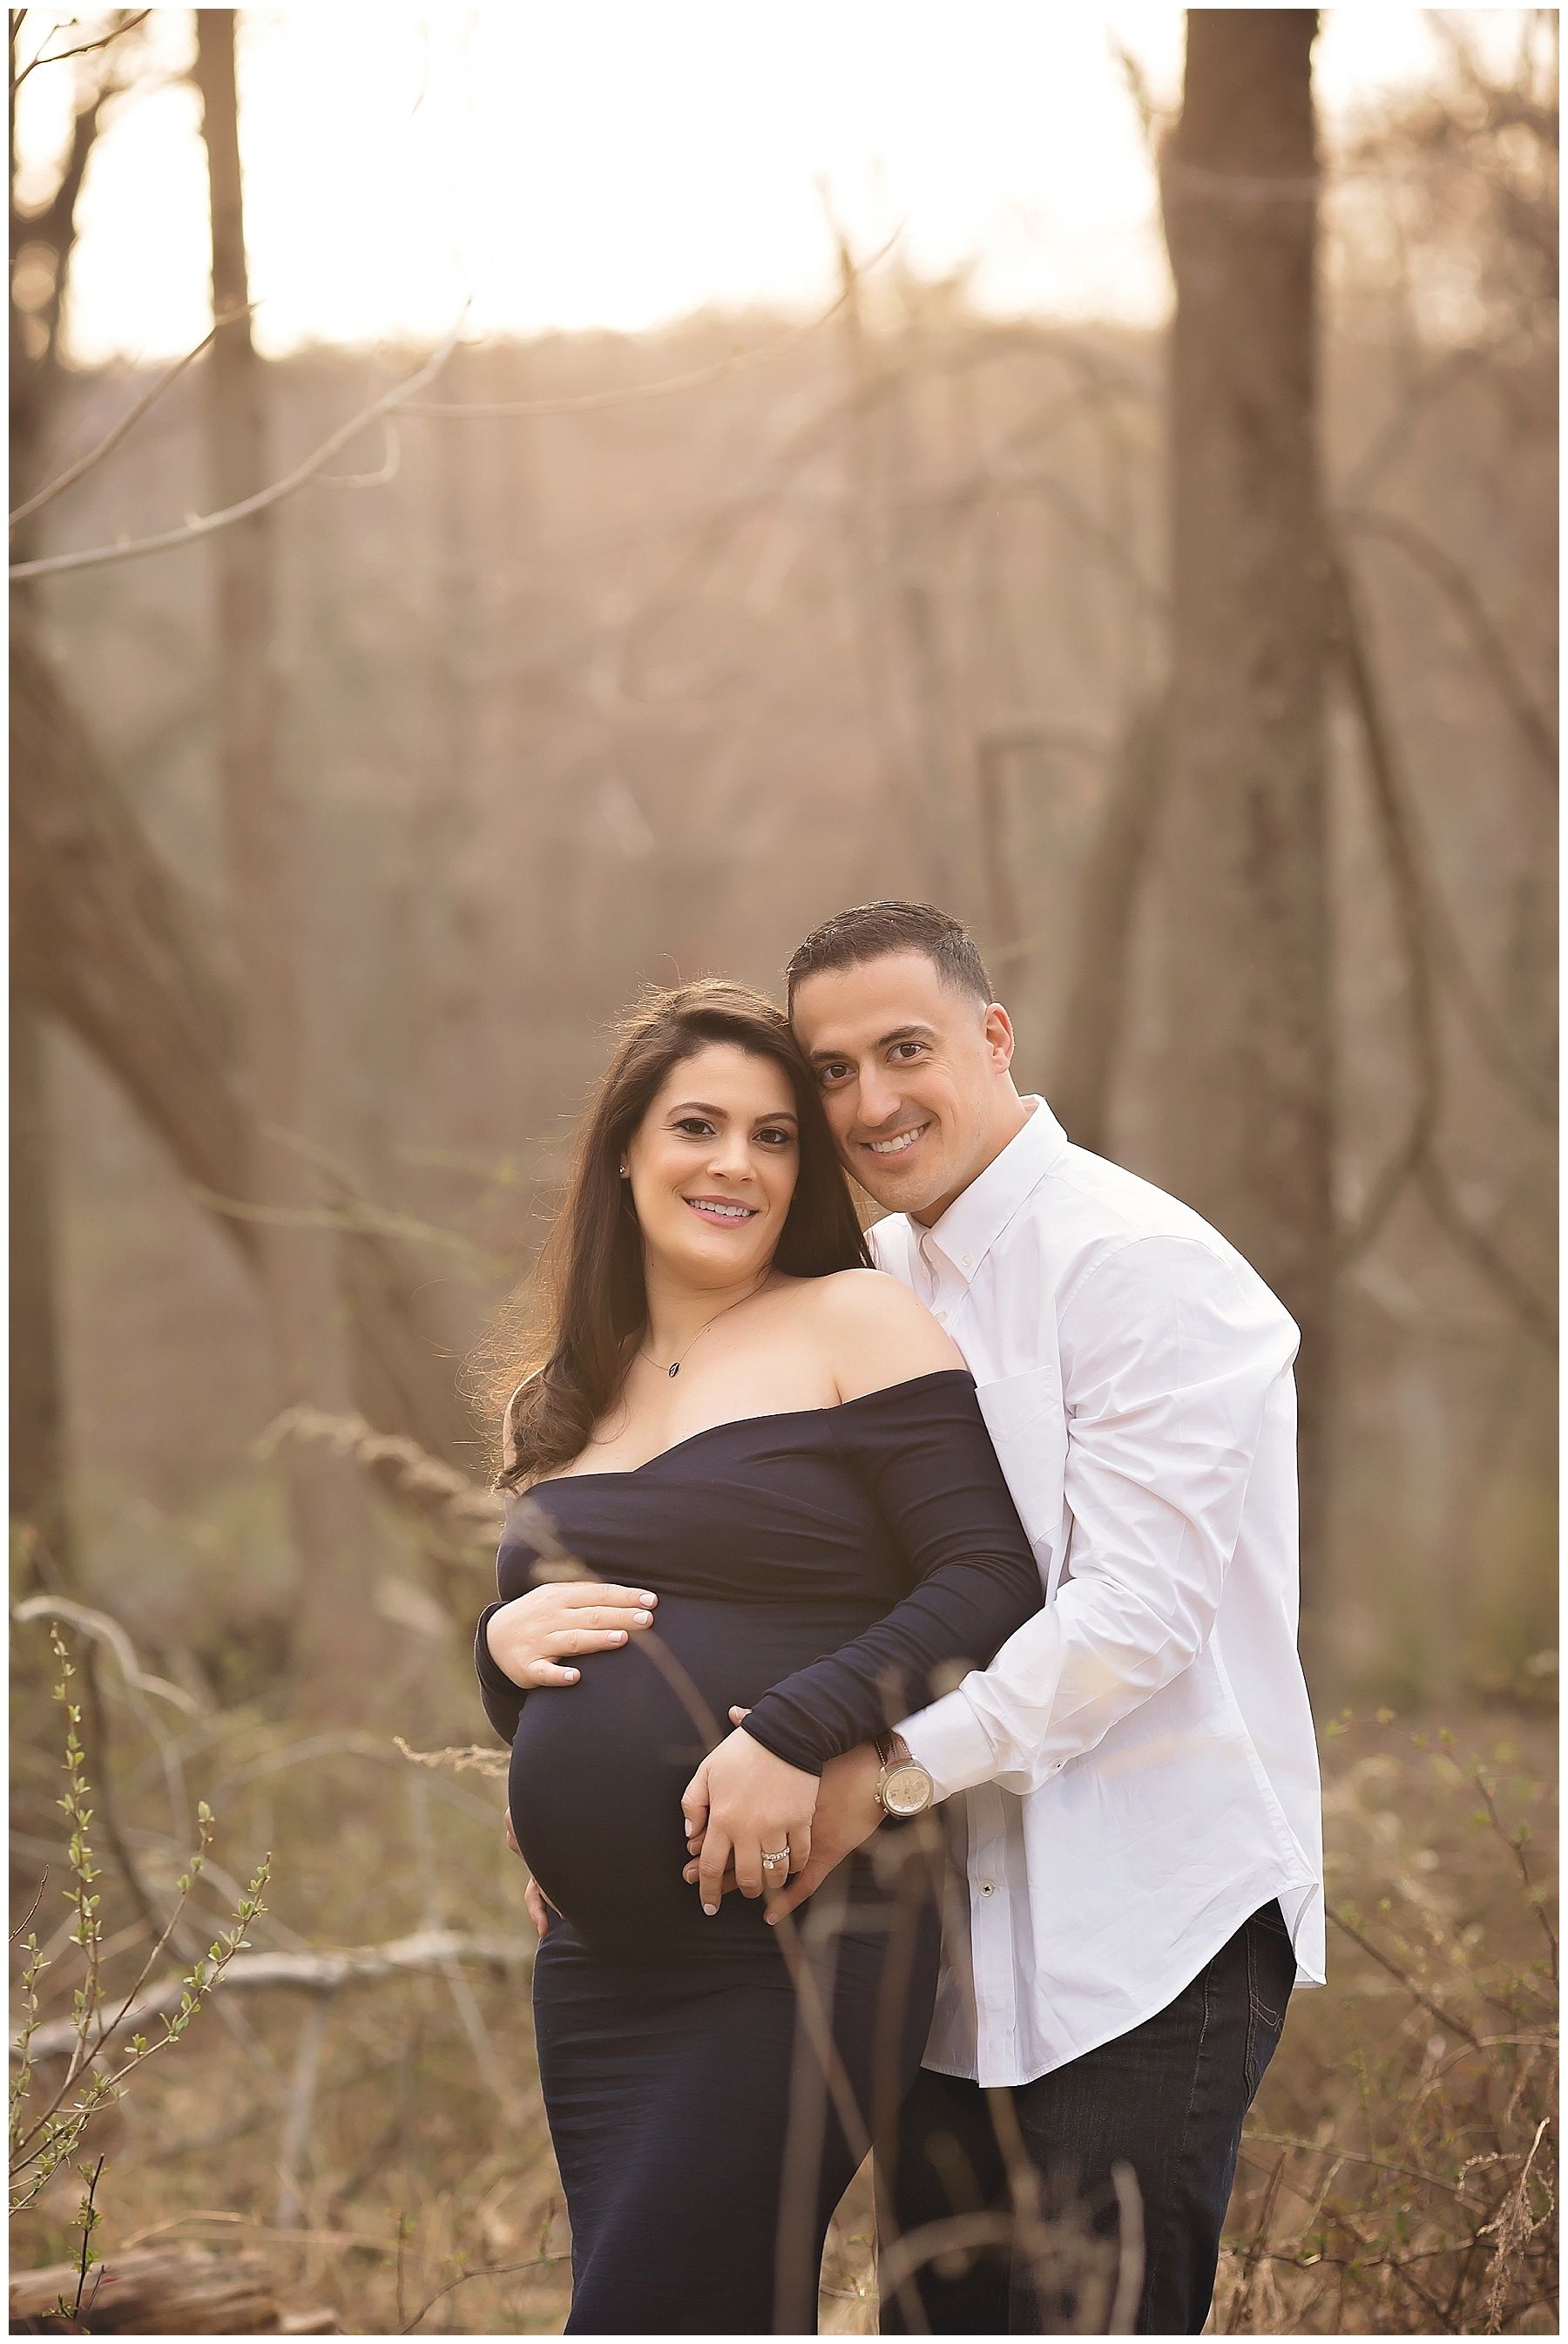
{"x":301,"y":2107}
{"x":1385,"y":1961}
{"x":1477,"y":1246}
{"x":1516,"y":1848}
{"x":1425,"y":924}
{"x":1534,"y":724}
{"x":593,"y":401}
{"x":32,"y":1908}
{"x":127,"y":422}
{"x":469,"y":1759}
{"x":89,"y":2223}
{"x":1340,"y":2154}
{"x":446,"y":1498}
{"x":1450,"y":967}
{"x":108,"y":1631}
{"x":1405,"y":876}
{"x":1131,"y":2247}
{"x":1240,"y":2303}
{"x":1397,"y":431}
{"x":357,"y":1218}
{"x":1511,"y":2228}
{"x":191,"y":532}
{"x":87,"y":50}
{"x":483,"y":2270}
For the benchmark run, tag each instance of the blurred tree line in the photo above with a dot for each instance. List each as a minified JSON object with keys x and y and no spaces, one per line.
{"x":1210,"y":676}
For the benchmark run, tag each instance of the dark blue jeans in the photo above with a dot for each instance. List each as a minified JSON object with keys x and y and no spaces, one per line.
{"x":1129,"y":2153}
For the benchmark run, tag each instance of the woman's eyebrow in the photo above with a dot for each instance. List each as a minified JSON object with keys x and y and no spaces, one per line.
{"x":721,"y":1114}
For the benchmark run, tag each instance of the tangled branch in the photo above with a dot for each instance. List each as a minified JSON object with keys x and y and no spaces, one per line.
{"x":191,"y":532}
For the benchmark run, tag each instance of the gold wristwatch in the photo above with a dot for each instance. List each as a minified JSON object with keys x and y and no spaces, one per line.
{"x":904,"y":1787}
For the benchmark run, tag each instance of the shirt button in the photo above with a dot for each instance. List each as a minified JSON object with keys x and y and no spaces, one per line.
{"x":942,"y":1317}
{"x":988,"y":1888}
{"x":968,"y":1261}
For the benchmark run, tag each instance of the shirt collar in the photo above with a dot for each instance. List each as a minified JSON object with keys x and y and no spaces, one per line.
{"x":974,"y":1220}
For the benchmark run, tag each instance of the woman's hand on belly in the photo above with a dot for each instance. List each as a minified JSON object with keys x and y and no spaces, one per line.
{"x":534,"y":1637}
{"x":743,"y":1803}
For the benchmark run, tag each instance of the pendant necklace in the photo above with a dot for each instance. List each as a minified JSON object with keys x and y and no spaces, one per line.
{"x":673,"y":1369}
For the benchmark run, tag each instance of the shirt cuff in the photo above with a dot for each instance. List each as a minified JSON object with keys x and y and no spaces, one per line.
{"x":950,"y":1743}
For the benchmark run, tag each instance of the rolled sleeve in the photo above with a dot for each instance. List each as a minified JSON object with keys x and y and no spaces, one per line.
{"x":1170,"y":1350}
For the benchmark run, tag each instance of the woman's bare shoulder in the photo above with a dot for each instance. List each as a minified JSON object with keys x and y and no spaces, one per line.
{"x":875,"y":1332}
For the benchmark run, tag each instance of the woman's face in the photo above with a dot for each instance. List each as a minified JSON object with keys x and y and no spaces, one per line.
{"x":713,"y":1164}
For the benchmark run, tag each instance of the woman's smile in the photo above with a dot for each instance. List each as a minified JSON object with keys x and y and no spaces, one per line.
{"x":721,"y":1208}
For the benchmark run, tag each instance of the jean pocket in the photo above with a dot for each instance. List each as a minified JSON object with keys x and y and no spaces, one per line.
{"x":1271,"y":1973}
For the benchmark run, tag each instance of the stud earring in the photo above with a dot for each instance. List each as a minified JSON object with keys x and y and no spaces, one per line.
{"x":625,"y":1174}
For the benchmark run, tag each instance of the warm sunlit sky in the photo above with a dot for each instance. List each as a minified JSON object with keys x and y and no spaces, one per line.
{"x":621,"y":163}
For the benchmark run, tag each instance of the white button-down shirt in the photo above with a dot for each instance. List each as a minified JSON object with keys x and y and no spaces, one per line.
{"x":1138,"y":1767}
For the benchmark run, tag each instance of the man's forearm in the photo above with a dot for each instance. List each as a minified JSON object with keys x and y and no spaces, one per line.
{"x":1054,"y":1690}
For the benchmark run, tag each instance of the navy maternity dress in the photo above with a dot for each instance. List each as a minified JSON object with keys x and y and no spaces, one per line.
{"x":701,"y":2148}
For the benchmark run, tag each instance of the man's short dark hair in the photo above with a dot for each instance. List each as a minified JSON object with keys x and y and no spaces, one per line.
{"x":871,"y":931}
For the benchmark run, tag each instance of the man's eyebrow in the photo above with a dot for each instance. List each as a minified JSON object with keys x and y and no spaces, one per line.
{"x":914,"y":1032}
{"x":702,"y":1106}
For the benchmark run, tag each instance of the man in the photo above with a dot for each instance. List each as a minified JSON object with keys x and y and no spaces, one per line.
{"x":1133,"y":1782}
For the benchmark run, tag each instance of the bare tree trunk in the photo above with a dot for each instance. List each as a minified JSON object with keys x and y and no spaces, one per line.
{"x":327,"y":1517}
{"x":1094,"y":1007}
{"x":38,"y":1487}
{"x":1250,"y":1105}
{"x":37,"y":1409}
{"x":900,"y":652}
{"x":105,"y":938}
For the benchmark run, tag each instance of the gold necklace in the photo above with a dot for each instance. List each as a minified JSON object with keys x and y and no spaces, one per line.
{"x":673,"y":1369}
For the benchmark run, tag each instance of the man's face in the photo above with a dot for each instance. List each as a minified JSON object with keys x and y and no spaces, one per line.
{"x":914,"y":1077}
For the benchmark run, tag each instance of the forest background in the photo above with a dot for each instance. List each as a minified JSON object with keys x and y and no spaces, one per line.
{"x":586,"y":659}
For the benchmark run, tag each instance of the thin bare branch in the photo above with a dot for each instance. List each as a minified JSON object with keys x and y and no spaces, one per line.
{"x":32,"y":1908}
{"x":86,"y":49}
{"x":594,"y":401}
{"x":1397,"y":431}
{"x":1387,"y":801}
{"x":1515,"y":1291}
{"x":1386,"y":1961}
{"x":127,"y":423}
{"x":192,"y":532}
{"x":108,"y":1631}
{"x":1533,"y":721}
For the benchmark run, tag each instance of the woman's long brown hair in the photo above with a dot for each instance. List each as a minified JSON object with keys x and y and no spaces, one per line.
{"x":559,"y":1350}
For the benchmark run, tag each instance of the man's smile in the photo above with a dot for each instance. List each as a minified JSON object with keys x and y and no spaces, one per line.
{"x":899,"y":1144}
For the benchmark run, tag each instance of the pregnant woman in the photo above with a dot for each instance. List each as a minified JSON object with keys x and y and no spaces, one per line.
{"x":730,"y":1414}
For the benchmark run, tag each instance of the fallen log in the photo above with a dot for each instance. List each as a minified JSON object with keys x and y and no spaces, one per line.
{"x":427,"y":1949}
{"x":161,"y":2291}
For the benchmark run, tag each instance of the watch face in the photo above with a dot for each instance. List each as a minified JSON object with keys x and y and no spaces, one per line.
{"x":906,"y":1791}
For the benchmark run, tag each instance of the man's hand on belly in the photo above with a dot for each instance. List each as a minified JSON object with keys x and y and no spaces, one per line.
{"x":742,"y":1804}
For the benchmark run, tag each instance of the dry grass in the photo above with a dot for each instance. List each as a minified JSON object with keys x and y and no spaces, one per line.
{"x":1398,"y":2173}
{"x":386,"y":2146}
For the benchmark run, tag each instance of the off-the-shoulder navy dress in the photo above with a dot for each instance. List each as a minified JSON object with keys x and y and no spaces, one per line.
{"x":831,"y":1568}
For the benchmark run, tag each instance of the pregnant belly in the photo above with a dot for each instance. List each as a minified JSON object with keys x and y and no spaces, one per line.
{"x":598,"y":1767}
